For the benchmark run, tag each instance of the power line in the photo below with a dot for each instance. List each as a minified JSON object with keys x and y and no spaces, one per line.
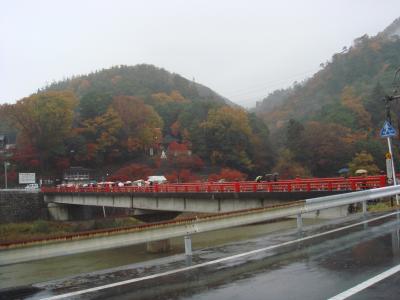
{"x":273,"y":84}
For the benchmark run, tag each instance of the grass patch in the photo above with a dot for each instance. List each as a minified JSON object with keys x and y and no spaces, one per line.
{"x":380,"y":206}
{"x":42,"y":229}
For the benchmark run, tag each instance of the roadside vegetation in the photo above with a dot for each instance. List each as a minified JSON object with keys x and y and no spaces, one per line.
{"x":44,"y":229}
{"x":382,"y":206}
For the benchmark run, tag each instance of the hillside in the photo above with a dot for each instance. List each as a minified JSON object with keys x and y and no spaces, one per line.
{"x":130,"y":122}
{"x":140,"y":81}
{"x":327,"y":119}
{"x":368,"y":63}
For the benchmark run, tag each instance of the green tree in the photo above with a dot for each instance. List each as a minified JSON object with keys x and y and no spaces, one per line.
{"x":295,"y":139}
{"x":288,"y":167}
{"x":141,"y":123}
{"x":228,"y":132}
{"x":45,"y":121}
{"x":94,"y":104}
{"x":363,"y":160}
{"x":102,"y":134}
{"x":260,"y":148}
{"x":326,"y":147}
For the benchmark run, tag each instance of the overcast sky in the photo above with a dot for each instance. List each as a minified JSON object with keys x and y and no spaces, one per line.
{"x":241,"y":49}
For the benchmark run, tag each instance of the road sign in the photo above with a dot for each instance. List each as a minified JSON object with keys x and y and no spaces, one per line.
{"x":388,"y":130}
{"x":27,"y":178}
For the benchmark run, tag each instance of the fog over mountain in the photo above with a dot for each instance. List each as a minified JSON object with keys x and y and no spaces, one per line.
{"x":243,"y":50}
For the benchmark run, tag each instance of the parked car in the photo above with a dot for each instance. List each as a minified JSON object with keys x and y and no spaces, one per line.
{"x":32,"y":186}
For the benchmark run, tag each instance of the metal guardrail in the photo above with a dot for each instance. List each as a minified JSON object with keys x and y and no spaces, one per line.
{"x":326,"y":202}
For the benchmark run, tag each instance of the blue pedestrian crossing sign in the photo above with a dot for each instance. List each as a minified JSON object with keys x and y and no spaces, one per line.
{"x":388,"y":130}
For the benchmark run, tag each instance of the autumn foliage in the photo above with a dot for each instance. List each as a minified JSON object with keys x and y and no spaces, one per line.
{"x":184,"y":175}
{"x":228,"y":175}
{"x":132,"y":172}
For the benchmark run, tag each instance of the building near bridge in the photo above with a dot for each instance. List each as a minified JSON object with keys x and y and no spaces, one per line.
{"x":77,"y":175}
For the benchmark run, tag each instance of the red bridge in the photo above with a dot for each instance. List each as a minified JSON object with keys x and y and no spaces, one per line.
{"x":338,"y":184}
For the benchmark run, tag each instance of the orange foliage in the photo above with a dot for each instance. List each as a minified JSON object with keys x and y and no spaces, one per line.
{"x":354,"y":103}
{"x":175,"y":127}
{"x":192,"y":162}
{"x":177,"y":148}
{"x":183,"y":175}
{"x":62,"y":164}
{"x":34,"y":163}
{"x":228,"y":175}
{"x":133,"y":172}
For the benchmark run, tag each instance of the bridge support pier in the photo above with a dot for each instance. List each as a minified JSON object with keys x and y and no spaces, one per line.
{"x":161,"y":246}
{"x":299,"y":222}
{"x":58,"y":212}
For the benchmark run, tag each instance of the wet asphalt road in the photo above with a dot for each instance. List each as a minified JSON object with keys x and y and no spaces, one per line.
{"x":318,"y":268}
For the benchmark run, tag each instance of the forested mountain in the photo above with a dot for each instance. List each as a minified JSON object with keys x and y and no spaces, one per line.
{"x":321,"y":123}
{"x":140,"y":81}
{"x":140,"y":120}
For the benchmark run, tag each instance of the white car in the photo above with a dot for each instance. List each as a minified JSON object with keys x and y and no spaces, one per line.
{"x":32,"y":186}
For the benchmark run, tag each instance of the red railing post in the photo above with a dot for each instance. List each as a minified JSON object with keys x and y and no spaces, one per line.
{"x":382,"y":180}
{"x":237,"y":187}
{"x":254,"y":187}
{"x":352,"y":185}
{"x":308,"y":187}
{"x":289,"y":187}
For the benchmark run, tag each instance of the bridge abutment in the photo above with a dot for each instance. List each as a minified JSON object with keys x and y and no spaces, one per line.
{"x":58,"y":212}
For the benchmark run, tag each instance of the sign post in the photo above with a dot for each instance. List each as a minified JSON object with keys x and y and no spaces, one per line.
{"x":388,"y":131}
{"x":6,"y":164}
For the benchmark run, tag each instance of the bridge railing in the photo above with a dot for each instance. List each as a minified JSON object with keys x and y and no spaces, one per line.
{"x":295,"y":185}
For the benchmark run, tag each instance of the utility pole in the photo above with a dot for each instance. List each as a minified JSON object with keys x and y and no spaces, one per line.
{"x":388,"y":125}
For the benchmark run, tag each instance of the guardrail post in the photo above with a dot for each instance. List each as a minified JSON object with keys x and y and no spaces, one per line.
{"x":188,"y":245}
{"x":299,"y":222}
{"x":364,"y":207}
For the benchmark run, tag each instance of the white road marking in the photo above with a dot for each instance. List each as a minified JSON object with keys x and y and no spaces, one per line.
{"x":366,"y":284}
{"x":213,"y":262}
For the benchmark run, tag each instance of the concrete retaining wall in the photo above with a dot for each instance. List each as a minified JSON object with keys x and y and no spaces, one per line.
{"x":21,"y":206}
